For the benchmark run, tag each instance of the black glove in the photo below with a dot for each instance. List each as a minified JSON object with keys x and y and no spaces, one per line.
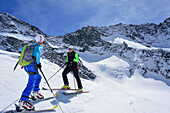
{"x":74,"y":62}
{"x":67,"y":63}
{"x":39,"y":65}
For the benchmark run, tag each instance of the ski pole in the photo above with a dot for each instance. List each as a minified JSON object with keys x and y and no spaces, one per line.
{"x":56,"y":72}
{"x":51,"y":89}
{"x":16,"y":65}
{"x":74,"y":85}
{"x":74,"y":82}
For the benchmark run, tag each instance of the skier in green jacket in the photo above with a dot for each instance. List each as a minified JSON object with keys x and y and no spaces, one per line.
{"x":71,"y":61}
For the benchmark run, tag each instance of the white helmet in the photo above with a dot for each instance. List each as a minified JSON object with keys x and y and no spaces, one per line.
{"x":70,"y":47}
{"x":39,"y":38}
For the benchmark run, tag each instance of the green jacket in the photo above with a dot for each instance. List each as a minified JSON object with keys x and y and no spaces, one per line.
{"x":73,"y":56}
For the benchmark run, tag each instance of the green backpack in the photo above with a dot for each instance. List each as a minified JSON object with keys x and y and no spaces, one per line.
{"x":26,"y":55}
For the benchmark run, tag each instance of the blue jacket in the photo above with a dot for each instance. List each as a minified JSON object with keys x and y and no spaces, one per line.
{"x":36,"y":52}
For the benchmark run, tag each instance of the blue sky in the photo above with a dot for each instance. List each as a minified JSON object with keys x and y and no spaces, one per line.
{"x":58,"y":17}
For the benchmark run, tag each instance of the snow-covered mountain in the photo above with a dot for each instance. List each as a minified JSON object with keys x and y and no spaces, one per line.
{"x":142,"y":46}
{"x":11,"y":24}
{"x":122,"y":40}
{"x":149,"y":34}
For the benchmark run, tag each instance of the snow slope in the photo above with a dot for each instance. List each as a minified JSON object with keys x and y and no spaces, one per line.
{"x":108,"y":94}
{"x":18,"y":36}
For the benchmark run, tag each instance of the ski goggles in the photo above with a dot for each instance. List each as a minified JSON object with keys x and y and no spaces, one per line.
{"x":70,"y":48}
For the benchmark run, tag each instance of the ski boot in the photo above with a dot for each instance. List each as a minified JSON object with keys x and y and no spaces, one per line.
{"x":37,"y":96}
{"x":24,"y":105}
{"x":79,"y":90}
{"x":65,"y":87}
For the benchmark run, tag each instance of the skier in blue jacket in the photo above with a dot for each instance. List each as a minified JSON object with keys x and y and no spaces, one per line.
{"x":34,"y":78}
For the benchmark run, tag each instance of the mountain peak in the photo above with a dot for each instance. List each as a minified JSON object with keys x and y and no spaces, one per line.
{"x":167,"y":20}
{"x":11,"y":24}
{"x":5,"y":14}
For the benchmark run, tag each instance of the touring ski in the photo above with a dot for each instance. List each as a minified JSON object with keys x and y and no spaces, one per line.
{"x":57,"y":89}
{"x":39,"y":100}
{"x":32,"y":101}
{"x":36,"y":110}
{"x":70,"y":93}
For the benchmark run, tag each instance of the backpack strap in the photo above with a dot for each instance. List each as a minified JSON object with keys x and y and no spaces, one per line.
{"x":34,"y":58}
{"x":32,"y":73}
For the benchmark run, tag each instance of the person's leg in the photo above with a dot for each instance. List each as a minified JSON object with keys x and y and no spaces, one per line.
{"x":37,"y":83}
{"x":64,"y":75}
{"x":36,"y":93}
{"x":29,"y":87}
{"x":31,"y":82}
{"x":75,"y":72}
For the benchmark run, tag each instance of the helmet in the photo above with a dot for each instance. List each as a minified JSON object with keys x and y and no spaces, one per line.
{"x":71,"y":47}
{"x":39,"y":38}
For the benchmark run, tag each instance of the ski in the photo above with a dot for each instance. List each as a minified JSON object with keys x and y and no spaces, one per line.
{"x":34,"y":101}
{"x":36,"y":110}
{"x":57,"y":89}
{"x":39,"y":100}
{"x":71,"y":93}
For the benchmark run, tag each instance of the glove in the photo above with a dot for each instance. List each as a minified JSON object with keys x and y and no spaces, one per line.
{"x":67,"y":63}
{"x":39,"y":65}
{"x":74,"y":62}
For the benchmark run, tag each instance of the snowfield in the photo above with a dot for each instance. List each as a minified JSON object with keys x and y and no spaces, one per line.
{"x":113,"y":91}
{"x":18,"y":36}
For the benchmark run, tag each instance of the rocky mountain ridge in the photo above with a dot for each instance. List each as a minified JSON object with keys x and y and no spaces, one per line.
{"x":149,"y":34}
{"x":92,"y":39}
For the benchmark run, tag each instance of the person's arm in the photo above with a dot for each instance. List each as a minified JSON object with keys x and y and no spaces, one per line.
{"x":38,"y":54}
{"x":76,"y":59}
{"x":67,"y":58}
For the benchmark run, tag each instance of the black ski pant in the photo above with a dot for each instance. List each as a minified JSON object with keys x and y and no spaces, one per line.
{"x":74,"y":69}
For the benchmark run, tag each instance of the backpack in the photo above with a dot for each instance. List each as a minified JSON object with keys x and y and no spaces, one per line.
{"x":26,"y":57}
